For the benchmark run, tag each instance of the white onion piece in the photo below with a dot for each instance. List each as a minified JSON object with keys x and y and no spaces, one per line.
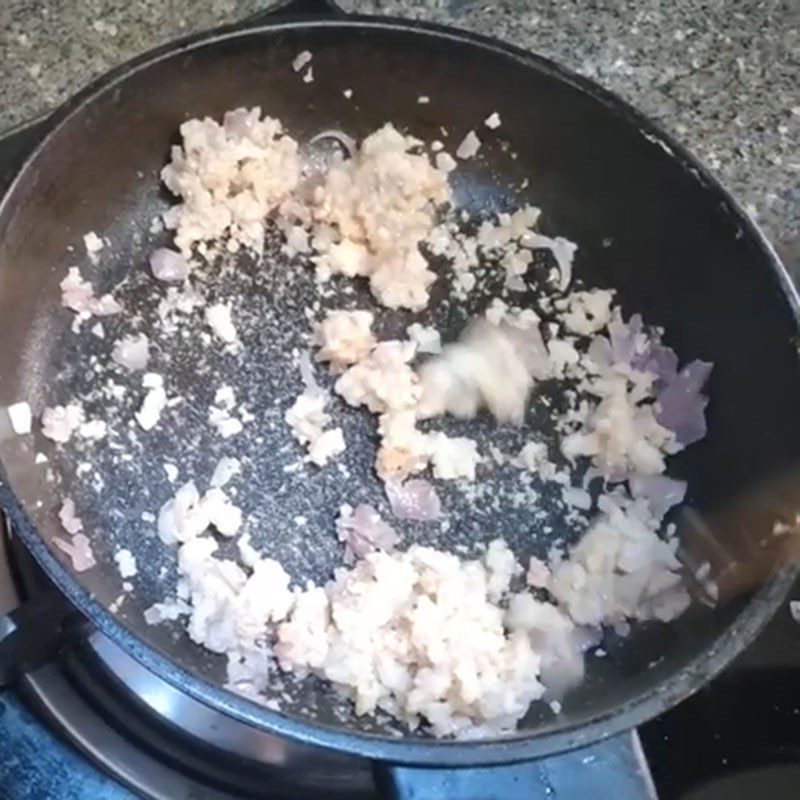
{"x":307,"y":374}
{"x":552,"y":634}
{"x":240,"y":121}
{"x":415,"y":499}
{"x":169,"y":265}
{"x":363,"y":531}
{"x":226,"y":469}
{"x":132,"y":352}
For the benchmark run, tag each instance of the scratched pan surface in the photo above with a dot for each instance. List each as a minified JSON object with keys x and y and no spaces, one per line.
{"x":647,"y":221}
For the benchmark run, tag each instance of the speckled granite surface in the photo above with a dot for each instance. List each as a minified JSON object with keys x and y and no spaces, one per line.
{"x":721,"y":75}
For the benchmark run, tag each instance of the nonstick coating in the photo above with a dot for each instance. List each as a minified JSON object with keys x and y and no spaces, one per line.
{"x":648,"y":222}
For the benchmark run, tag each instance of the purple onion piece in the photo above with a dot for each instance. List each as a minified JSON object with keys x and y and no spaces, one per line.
{"x":363,"y":531}
{"x":659,"y":360}
{"x":169,"y":265}
{"x":695,"y":374}
{"x":682,"y":407}
{"x":416,"y":499}
{"x":661,"y":492}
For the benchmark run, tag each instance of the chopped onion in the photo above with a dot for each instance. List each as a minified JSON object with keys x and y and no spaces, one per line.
{"x":363,"y":531}
{"x":307,"y":374}
{"x":530,"y":347}
{"x":695,"y":374}
{"x":132,"y":352}
{"x":239,"y":122}
{"x":659,"y":360}
{"x":627,"y":339}
{"x":661,"y":492}
{"x":600,"y":352}
{"x":538,"y":573}
{"x":169,"y":265}
{"x":79,"y":551}
{"x":682,"y":407}
{"x":415,"y":499}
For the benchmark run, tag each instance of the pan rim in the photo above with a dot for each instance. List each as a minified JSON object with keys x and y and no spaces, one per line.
{"x":521,"y":745}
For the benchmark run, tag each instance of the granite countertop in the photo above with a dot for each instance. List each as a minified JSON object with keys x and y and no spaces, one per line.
{"x":722,"y":76}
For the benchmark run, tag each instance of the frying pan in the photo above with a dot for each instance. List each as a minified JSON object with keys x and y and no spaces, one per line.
{"x":650,"y":222}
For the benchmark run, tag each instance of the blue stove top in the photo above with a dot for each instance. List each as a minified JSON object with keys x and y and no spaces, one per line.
{"x":36,"y":765}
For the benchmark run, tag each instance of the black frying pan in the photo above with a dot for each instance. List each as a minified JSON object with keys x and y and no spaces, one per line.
{"x":649,"y":220}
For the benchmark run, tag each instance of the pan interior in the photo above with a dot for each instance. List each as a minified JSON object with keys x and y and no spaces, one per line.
{"x":646,"y":224}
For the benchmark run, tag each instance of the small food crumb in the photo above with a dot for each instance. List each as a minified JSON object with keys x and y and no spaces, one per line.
{"x":423,"y":99}
{"x":492,"y":121}
{"x":78,"y":295}
{"x":79,"y":551}
{"x":225,"y":470}
{"x":219,"y":320}
{"x":126,"y":563}
{"x":93,"y":429}
{"x":426,"y":338}
{"x":301,"y":59}
{"x":308,"y":419}
{"x":169,"y":265}
{"x":155,"y":401}
{"x":165,"y":612}
{"x":60,"y":422}
{"x":445,"y":162}
{"x":187,"y":515}
{"x":93,"y":244}
{"x":132,"y":352}
{"x":344,"y":337}
{"x":348,"y":93}
{"x":309,"y":75}
{"x":469,"y":146}
{"x":220,"y":414}
{"x":413,"y":499}
{"x":453,"y":457}
{"x":69,"y":519}
{"x":20,"y":417}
